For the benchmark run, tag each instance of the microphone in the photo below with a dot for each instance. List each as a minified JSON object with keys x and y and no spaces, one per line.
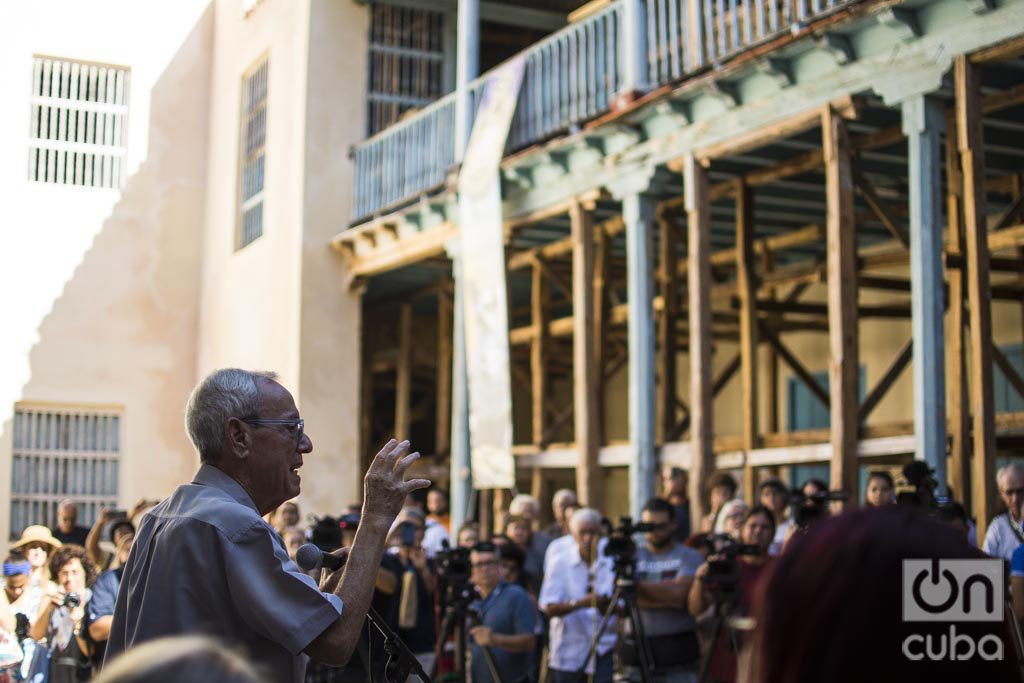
{"x":309,"y":557}
{"x":401,"y":661}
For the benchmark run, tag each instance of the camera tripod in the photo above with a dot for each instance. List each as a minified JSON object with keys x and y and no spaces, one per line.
{"x":453,"y":625}
{"x":719,"y":623}
{"x":625,"y":590}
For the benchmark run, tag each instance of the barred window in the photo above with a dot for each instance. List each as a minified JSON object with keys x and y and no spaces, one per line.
{"x":406,"y":62}
{"x":60,"y":453}
{"x":79,"y":121}
{"x":253,"y":146}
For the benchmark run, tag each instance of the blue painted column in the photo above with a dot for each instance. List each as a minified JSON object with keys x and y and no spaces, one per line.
{"x":467,"y":67}
{"x":638,"y":215}
{"x":923,"y":121}
{"x":461,"y":480}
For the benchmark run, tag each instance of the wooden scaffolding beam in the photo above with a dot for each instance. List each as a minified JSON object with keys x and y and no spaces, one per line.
{"x":841,"y":258}
{"x":698,"y":218}
{"x":585,"y":395}
{"x":403,"y":373}
{"x":667,"y":347}
{"x":746,"y":277}
{"x":445,"y":332}
{"x":972,"y":170}
{"x":538,"y":355}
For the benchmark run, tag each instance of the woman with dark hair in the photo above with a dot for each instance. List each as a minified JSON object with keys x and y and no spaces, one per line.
{"x":832,"y":609}
{"x":61,"y":617}
{"x":758,"y":530}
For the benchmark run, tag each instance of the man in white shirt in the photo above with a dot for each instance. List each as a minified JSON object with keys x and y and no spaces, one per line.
{"x":576,"y":591}
{"x":1005,"y":533}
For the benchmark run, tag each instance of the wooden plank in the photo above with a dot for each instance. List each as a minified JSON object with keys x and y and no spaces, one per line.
{"x":768,"y":265}
{"x":560,"y":248}
{"x":746,"y":277}
{"x":972,"y":168}
{"x":957,"y":410}
{"x":892,"y":373}
{"x":538,"y":354}
{"x":698,"y":217}
{"x":867,"y":191}
{"x":445,"y":332}
{"x":667,"y":347}
{"x":795,"y":365}
{"x":1012,"y":376}
{"x":585,"y":397}
{"x":1013,"y":211}
{"x":1007,"y":238}
{"x":841,"y":258}
{"x":403,"y":373}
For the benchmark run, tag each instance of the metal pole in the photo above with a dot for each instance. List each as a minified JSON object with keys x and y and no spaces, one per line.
{"x":923,"y":123}
{"x":460,"y":478}
{"x":638,"y":215}
{"x":467,"y":68}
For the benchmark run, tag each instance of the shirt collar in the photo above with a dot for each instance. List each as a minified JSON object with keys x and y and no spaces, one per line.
{"x":208,"y":475}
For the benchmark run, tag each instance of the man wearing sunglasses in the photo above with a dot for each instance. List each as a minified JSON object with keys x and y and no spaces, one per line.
{"x":205,"y":561}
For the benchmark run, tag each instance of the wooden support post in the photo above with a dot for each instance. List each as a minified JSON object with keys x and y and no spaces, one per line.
{"x":585,"y":398}
{"x":403,"y":373}
{"x":538,"y":355}
{"x":958,"y":471}
{"x":841,"y":258}
{"x":460,"y":471}
{"x":698,"y":218}
{"x":366,"y":405}
{"x":485,"y":510}
{"x":500,"y":507}
{"x":972,"y":168}
{"x":638,"y":214}
{"x":667,"y":347}
{"x":602,"y":261}
{"x":923,"y":122}
{"x":445,"y":330}
{"x":768,"y":265}
{"x":747,"y":288}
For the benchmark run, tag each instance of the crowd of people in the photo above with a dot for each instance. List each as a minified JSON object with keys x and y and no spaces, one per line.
{"x":540,"y":593}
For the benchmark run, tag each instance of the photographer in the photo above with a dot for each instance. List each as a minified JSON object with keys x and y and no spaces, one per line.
{"x":416,"y":586}
{"x":744,"y":574}
{"x":774,"y":496}
{"x":664,"y":572}
{"x":506,"y":621}
{"x":576,"y":591}
{"x":60,"y":620}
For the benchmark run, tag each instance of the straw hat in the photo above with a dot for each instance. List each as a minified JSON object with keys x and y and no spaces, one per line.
{"x":37,"y":533}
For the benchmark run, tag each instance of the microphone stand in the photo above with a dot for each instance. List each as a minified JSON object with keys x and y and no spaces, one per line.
{"x":401,"y":661}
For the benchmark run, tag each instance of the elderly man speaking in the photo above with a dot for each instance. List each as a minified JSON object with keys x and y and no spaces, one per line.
{"x":205,"y":561}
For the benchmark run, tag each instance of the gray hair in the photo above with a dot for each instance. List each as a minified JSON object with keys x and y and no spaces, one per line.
{"x":584,"y":515}
{"x":1015,"y":467}
{"x":412,"y":511}
{"x":562,"y":494}
{"x":524,"y":500}
{"x":224,"y":394}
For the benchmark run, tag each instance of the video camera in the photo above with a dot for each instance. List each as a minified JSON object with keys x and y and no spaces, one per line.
{"x":809,"y":509}
{"x":723,"y":577}
{"x":621,"y":547}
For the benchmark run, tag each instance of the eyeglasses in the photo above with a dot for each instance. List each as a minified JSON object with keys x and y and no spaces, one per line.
{"x":484,"y":563}
{"x":1013,"y":492}
{"x":294,"y":426}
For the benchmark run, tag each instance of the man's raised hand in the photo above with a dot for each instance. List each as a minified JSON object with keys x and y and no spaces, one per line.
{"x":385,"y":487}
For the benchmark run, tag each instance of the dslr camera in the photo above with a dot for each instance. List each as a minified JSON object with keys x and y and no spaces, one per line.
{"x":71,"y":600}
{"x":723,"y":577}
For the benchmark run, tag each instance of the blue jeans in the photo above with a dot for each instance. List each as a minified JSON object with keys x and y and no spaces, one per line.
{"x":602,"y":672}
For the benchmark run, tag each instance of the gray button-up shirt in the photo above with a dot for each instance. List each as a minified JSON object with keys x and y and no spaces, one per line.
{"x":204,"y":561}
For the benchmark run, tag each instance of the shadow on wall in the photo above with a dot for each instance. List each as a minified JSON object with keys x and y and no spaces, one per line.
{"x":123,"y":331}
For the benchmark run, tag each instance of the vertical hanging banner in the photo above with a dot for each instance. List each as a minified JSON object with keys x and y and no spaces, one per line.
{"x":485,"y":301}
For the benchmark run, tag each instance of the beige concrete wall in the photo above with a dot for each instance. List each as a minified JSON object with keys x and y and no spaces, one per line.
{"x":330,"y":325}
{"x":104,"y":284}
{"x":249,"y":311}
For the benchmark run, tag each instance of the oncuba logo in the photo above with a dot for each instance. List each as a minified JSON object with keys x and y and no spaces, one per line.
{"x":952,"y":591}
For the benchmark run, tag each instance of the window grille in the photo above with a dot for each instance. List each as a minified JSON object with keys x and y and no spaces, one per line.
{"x":406,"y":62}
{"x":253,"y":153}
{"x":63,"y":453}
{"x":79,"y":123}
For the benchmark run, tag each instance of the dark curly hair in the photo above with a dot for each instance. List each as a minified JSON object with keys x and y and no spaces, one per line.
{"x":67,"y":552}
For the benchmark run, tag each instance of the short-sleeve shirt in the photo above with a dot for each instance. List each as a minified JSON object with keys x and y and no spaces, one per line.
{"x":568,"y":578}
{"x":1002,"y":539}
{"x":77,"y":535}
{"x":507,"y":610}
{"x":676,"y":561}
{"x":102,"y":603}
{"x":204,"y":561}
